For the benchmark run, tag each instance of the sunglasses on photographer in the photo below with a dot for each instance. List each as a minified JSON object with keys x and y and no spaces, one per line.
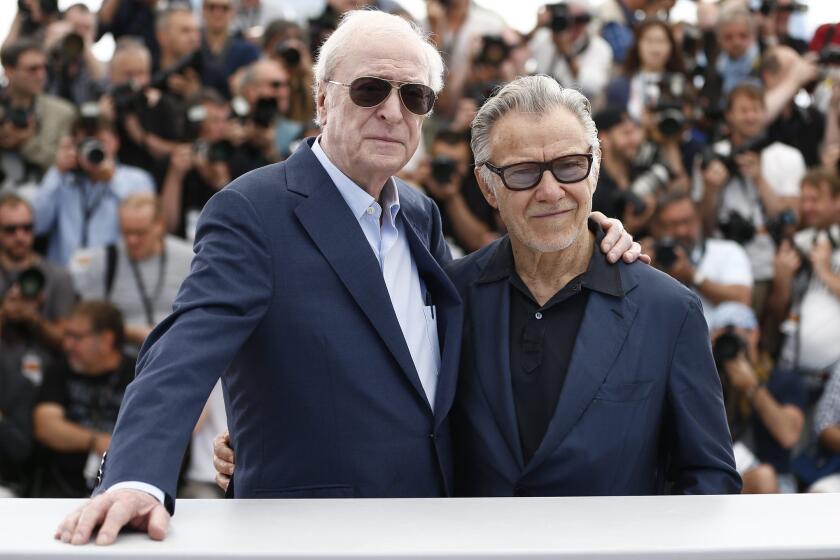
{"x":526,"y":175}
{"x":369,"y":91}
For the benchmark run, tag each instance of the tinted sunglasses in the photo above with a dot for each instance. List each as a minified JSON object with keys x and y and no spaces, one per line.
{"x":11,"y":229}
{"x":527,"y":175}
{"x":369,"y":91}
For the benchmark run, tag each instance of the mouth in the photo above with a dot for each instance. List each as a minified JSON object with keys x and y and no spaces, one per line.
{"x":384,"y":139}
{"x":553,"y":213}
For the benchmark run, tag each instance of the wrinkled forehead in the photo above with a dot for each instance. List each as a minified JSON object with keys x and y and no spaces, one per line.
{"x":399,"y":58}
{"x":518,"y":135}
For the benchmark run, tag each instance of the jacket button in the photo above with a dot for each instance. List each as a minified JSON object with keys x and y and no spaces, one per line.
{"x":432,"y":436}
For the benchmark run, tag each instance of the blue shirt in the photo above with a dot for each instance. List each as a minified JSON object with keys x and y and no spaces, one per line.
{"x":78,"y":213}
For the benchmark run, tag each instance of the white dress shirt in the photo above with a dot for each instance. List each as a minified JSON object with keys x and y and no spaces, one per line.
{"x":387,"y":238}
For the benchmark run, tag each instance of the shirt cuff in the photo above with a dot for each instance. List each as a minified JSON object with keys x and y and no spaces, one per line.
{"x":142,"y":486}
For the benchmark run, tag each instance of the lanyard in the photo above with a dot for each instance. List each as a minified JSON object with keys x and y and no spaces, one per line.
{"x":149,"y":302}
{"x":90,"y":203}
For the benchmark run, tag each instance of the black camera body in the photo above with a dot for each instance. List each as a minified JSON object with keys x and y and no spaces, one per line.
{"x":214,"y":152}
{"x":31,"y":282}
{"x":562,"y":20}
{"x":727,"y":347}
{"x":127,"y":98}
{"x":15,"y":115}
{"x":193,"y":61}
{"x":290,"y":54}
{"x":443,"y":168}
{"x":665,"y":254}
{"x":494,"y":50}
{"x":756,"y":144}
{"x":47,"y":6}
{"x":621,"y":200}
{"x":264,"y":111}
{"x":92,"y":151}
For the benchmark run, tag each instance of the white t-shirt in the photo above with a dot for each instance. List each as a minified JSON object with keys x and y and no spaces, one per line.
{"x":819,"y":321}
{"x":723,"y":262}
{"x":783,"y":168}
{"x":215,"y":422}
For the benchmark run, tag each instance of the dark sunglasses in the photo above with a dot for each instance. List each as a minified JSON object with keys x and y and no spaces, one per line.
{"x":369,"y":91}
{"x":219,"y":7}
{"x":276,"y":84}
{"x":11,"y":229}
{"x":527,"y":175}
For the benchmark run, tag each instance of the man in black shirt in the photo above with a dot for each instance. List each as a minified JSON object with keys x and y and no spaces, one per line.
{"x":79,"y":400}
{"x":577,"y":378}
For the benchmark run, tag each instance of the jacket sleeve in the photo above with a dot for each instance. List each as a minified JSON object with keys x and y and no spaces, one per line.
{"x":698,"y":442}
{"x":219,"y":305}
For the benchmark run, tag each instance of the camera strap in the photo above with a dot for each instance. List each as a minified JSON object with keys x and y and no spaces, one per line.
{"x":147,"y":301}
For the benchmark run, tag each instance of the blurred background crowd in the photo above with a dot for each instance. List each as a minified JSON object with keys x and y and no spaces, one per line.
{"x":721,"y":151}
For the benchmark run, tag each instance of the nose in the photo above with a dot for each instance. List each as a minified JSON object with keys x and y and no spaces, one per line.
{"x":390,"y":110}
{"x":549,"y":189}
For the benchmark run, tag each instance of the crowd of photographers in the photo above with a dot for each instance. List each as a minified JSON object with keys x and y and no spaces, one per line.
{"x":721,"y":143}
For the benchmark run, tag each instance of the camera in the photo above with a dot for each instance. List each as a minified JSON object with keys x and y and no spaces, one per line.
{"x":91,"y":151}
{"x":737,"y":228}
{"x":767,"y":7}
{"x":562,"y":20}
{"x":622,"y":199}
{"x":127,"y":98}
{"x":15,"y":115}
{"x":194,"y":62}
{"x":289,"y":54}
{"x":665,"y":254}
{"x":666,"y":99}
{"x":494,"y":50}
{"x":830,"y":52}
{"x":756,"y":144}
{"x":67,"y":51}
{"x":443,"y":168}
{"x":31,"y":282}
{"x":727,"y":347}
{"x":264,"y":111}
{"x":221,"y":150}
{"x":782,"y":226}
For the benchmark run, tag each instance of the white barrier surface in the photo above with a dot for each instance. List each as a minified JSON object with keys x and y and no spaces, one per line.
{"x":597,"y":528}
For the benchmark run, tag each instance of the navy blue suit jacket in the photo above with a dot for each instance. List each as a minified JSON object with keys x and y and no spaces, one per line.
{"x":641,"y":410}
{"x":286,"y":301}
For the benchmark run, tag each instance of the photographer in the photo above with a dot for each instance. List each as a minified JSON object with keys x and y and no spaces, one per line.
{"x":739,"y":52}
{"x":717,"y":270}
{"x":75,"y":73}
{"x":141,"y":274}
{"x":130,"y":18}
{"x":283,"y":42}
{"x":16,"y":400}
{"x":31,"y":122}
{"x":456,"y":27}
{"x":468,"y":221}
{"x":265,"y":132}
{"x":748,"y":182}
{"x":764,"y":406}
{"x":181,"y":65}
{"x":806,"y":287}
{"x":800,"y":127}
{"x":78,"y":198}
{"x":774,"y":24}
{"x":223,"y":54}
{"x":77,"y":406}
{"x":565,"y":49}
{"x":198,"y":170}
{"x":35,"y":295}
{"x":31,"y":20}
{"x":632,"y":174}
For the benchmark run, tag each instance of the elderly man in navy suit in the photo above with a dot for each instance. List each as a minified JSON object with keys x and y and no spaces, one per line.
{"x":577,"y":378}
{"x":317,"y":294}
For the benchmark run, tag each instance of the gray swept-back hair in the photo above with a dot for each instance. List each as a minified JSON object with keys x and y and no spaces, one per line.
{"x":368,"y":25}
{"x":537,"y":95}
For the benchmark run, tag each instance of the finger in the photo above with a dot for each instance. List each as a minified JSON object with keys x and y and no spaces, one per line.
{"x":91,"y":516}
{"x":66,"y":528}
{"x":222,"y":481}
{"x":222,"y":451}
{"x":633,"y":253}
{"x":222,"y":466}
{"x":624,"y":244}
{"x":611,"y":238}
{"x":158,"y":523}
{"x":118,"y":515}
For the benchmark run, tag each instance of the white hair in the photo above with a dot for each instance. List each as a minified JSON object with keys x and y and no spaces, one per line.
{"x":536,"y":95}
{"x":367,"y":25}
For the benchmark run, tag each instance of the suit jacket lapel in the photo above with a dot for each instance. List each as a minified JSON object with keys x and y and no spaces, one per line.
{"x":605,"y":326}
{"x":489,"y":314}
{"x":329,"y":222}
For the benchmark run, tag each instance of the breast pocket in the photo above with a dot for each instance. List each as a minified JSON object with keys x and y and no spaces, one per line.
{"x":624,"y":392}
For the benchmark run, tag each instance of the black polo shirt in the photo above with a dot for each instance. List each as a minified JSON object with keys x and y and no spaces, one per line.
{"x":542,"y":338}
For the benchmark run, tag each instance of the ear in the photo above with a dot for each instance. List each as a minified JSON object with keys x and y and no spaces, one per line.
{"x":486,"y":190}
{"x":321,"y":105}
